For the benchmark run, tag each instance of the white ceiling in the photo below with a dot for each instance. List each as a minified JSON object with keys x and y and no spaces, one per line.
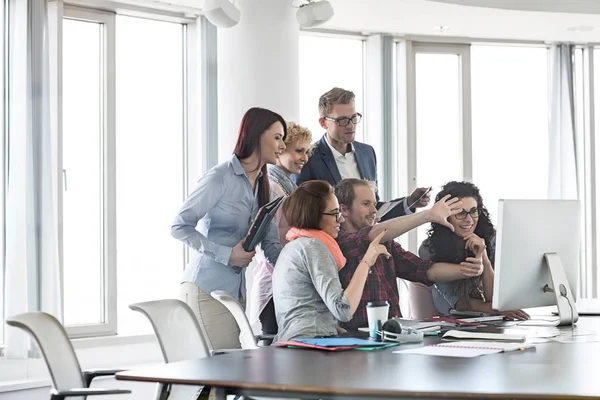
{"x":421,"y":17}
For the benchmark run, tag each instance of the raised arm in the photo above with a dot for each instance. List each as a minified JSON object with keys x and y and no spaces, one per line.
{"x":205,"y":196}
{"x":327,"y":282}
{"x":439,"y":213}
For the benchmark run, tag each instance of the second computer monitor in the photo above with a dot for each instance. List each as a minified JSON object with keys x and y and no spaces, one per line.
{"x":528,"y":229}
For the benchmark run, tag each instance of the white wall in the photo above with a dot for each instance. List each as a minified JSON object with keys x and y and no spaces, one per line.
{"x":257,"y":66}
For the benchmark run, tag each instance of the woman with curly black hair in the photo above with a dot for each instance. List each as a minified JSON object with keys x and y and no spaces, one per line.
{"x":474,"y":236}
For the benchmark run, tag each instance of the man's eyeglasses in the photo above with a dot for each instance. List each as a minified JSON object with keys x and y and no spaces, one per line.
{"x":337,"y":215}
{"x":344,"y":121}
{"x":474,"y":213}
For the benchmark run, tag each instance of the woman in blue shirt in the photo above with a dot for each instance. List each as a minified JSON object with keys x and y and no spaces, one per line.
{"x":215,"y":218}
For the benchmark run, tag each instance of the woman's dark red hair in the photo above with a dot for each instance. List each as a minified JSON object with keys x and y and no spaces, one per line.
{"x":254,"y":123}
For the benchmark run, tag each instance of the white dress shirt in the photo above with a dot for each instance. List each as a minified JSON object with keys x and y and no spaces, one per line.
{"x":346,"y":163}
{"x":348,"y":167}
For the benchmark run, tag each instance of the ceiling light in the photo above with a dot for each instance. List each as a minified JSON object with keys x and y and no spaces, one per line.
{"x":221,"y":13}
{"x":314,"y":13}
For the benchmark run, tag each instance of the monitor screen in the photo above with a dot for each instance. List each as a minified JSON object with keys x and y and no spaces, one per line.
{"x":528,"y":229}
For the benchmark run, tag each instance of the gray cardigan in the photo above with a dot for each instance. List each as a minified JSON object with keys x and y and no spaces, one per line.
{"x":443,"y":294}
{"x":308,"y":296}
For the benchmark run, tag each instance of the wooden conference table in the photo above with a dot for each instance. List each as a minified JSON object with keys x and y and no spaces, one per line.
{"x":550,"y":371}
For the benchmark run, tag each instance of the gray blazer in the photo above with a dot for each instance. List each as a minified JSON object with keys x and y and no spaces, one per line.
{"x":308,"y":296}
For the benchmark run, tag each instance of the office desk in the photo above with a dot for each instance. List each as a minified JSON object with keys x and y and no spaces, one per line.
{"x":551,"y":371}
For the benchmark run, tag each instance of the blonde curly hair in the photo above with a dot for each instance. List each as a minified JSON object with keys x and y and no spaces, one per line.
{"x":297,"y":134}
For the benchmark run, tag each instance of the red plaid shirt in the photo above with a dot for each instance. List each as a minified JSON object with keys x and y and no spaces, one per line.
{"x":381,"y":283}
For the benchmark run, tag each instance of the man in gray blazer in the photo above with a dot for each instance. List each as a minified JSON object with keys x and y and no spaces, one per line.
{"x":338,"y":156}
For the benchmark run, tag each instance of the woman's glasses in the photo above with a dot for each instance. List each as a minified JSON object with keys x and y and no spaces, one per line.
{"x":474,"y":213}
{"x":336,"y":214}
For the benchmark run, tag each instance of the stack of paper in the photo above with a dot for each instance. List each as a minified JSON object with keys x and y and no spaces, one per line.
{"x":465,"y":349}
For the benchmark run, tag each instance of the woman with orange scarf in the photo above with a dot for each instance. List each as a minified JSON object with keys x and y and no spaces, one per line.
{"x":308,"y":296}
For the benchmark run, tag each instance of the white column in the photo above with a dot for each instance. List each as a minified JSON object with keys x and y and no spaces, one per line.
{"x":257,"y":66}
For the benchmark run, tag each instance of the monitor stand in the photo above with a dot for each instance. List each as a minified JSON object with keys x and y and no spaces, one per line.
{"x":567,"y":309}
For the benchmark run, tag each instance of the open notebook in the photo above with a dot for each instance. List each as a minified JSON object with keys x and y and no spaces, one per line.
{"x":466,"y":349}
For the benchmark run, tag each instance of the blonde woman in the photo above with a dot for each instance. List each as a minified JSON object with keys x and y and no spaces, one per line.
{"x":291,"y":161}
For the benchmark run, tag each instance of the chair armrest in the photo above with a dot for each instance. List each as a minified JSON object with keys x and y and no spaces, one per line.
{"x":61,"y":394}
{"x":224,"y":351}
{"x":266,"y":338}
{"x":91,"y":374}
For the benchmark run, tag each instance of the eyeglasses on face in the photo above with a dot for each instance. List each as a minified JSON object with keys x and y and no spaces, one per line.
{"x":337,"y":215}
{"x":344,"y":121}
{"x":474,"y":213}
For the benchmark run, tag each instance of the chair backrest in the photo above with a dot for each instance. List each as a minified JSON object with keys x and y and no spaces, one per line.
{"x":176,"y":329}
{"x":54,"y":343}
{"x":236,"y":309}
{"x":421,"y":301}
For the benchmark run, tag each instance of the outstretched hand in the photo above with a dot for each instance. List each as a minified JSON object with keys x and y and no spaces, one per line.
{"x":376,"y":249}
{"x":444,"y":208}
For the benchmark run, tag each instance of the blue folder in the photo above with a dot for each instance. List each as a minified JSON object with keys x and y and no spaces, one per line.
{"x":339,"y":342}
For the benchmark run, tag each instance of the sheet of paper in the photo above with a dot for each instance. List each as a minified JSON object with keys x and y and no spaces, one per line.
{"x":465,"y":349}
{"x":484,"y":335}
{"x":449,"y":351}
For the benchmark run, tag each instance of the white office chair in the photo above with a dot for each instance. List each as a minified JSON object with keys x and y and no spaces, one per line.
{"x":247,"y":337}
{"x":68,"y":380}
{"x":179,"y":337}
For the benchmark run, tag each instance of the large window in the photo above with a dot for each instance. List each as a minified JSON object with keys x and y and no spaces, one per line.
{"x":84,"y":139}
{"x":510,"y":122}
{"x":150,"y":163}
{"x":82,"y":178}
{"x":481,"y":114}
{"x":124,"y":162}
{"x":594,"y":274}
{"x":327,"y":62}
{"x":439,"y":121}
{"x":3,"y":143}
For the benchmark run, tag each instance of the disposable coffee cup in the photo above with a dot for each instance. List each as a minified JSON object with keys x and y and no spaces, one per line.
{"x":377,"y":311}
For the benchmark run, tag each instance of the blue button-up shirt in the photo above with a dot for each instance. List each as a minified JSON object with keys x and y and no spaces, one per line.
{"x":213,"y":219}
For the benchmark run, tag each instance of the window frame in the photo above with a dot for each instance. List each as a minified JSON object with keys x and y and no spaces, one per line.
{"x":196,"y":75}
{"x":4,"y":149}
{"x":108,"y":170}
{"x":589,"y":278}
{"x":406,"y":116}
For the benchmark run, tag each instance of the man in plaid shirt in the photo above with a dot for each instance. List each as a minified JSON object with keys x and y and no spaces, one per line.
{"x":357,"y":205}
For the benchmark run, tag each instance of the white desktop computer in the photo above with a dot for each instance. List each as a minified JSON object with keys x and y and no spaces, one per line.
{"x":537,"y":256}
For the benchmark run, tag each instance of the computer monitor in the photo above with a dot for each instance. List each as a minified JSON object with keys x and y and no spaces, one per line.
{"x":537,"y":250}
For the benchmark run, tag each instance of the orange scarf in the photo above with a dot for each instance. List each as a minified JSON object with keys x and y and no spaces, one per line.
{"x":332,"y":245}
